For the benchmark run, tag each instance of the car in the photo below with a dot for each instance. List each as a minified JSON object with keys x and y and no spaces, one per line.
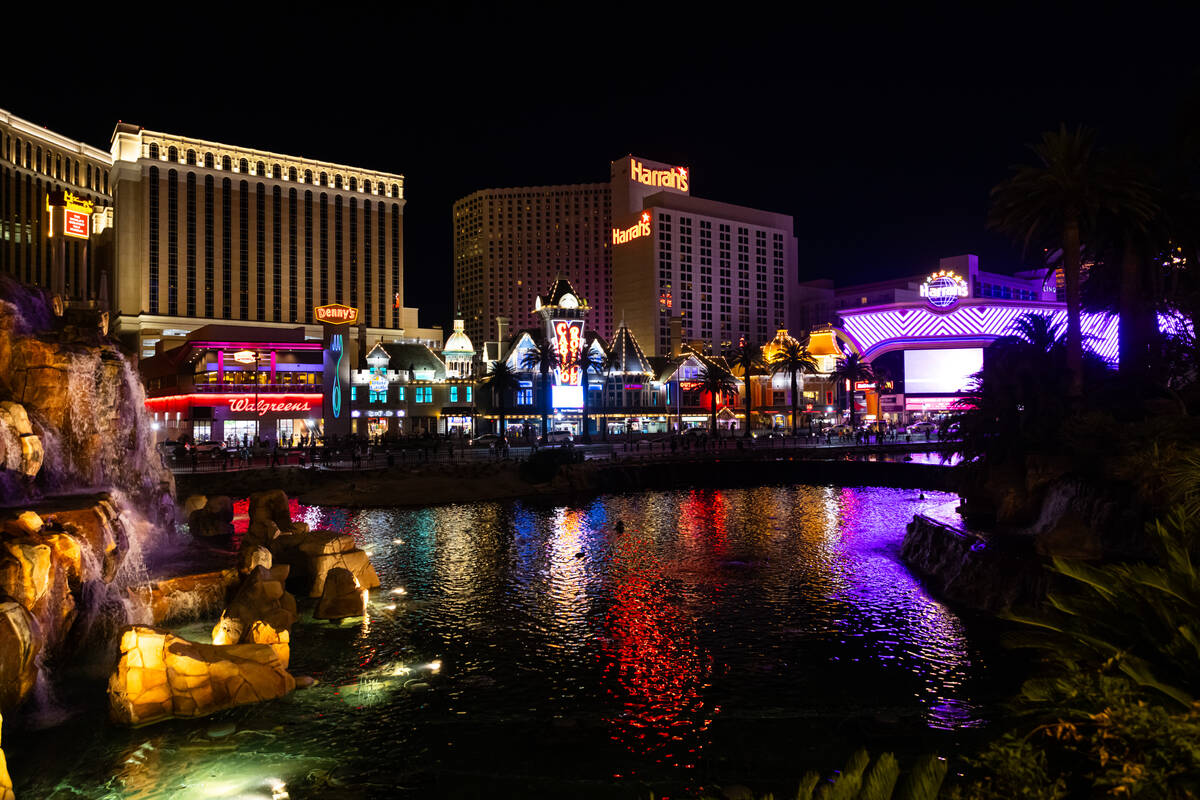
{"x":209,"y":447}
{"x":556,"y":437}
{"x":921,"y":427}
{"x":485,"y":440}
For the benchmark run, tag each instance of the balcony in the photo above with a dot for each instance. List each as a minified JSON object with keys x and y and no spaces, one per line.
{"x":259,"y":388}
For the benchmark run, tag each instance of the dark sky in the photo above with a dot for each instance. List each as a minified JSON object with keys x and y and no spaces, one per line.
{"x":881,"y":133}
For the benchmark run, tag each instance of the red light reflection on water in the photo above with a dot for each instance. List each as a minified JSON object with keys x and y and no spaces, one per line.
{"x":653,"y":666}
{"x":317,"y":517}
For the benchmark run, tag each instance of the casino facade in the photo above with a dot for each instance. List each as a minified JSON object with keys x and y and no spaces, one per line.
{"x":928,"y":334}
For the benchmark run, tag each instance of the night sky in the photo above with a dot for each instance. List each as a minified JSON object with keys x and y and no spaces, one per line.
{"x":880,"y":133}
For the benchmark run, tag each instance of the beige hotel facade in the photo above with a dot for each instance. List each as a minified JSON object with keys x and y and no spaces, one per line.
{"x":190,"y":231}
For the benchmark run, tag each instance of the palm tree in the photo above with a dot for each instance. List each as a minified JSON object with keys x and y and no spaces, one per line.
{"x":793,"y":359}
{"x":543,"y":357}
{"x":749,"y":357}
{"x":589,"y":362}
{"x":1055,"y":204}
{"x":502,"y":380}
{"x":852,"y":369}
{"x":717,"y":381}
{"x":1038,"y":330}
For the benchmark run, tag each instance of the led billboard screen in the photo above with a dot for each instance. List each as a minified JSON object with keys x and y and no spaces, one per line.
{"x":940,"y":371}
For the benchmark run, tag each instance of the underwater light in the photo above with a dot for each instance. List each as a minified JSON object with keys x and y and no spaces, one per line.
{"x":434,"y":666}
{"x":399,"y":590}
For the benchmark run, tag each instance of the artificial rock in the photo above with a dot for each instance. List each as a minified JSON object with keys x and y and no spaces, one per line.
{"x":341,"y":596}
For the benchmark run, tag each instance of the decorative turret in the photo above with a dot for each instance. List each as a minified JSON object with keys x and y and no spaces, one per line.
{"x":458,"y":352}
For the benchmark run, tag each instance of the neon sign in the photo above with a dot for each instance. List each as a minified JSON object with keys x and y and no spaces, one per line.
{"x":335,"y":314}
{"x":568,"y":343}
{"x":676,"y":178}
{"x":245,"y":357}
{"x":335,"y":345}
{"x":378,"y":385}
{"x":942,"y":289}
{"x":265,"y":406}
{"x":635,"y":231}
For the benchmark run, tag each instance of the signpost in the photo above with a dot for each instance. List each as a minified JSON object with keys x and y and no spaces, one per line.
{"x":336,"y":321}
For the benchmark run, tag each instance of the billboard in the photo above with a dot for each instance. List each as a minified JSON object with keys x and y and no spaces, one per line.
{"x":566,"y":396}
{"x":941,"y":371}
{"x":568,"y":343}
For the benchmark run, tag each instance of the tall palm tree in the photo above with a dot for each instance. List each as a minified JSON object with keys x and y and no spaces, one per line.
{"x":749,"y":357}
{"x":1039,"y":330}
{"x":543,"y":357}
{"x":589,"y":362}
{"x":1055,"y":204}
{"x":793,"y":360}
{"x":717,"y":382}
{"x":853,"y":369}
{"x":502,"y":380}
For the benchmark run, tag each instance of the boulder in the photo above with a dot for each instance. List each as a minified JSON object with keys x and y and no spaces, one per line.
{"x":26,"y":523}
{"x":341,"y":596}
{"x":162,"y":676}
{"x":187,"y":595}
{"x":20,"y":644}
{"x":261,"y":597}
{"x":6,"y":786}
{"x":269,"y":514}
{"x":280,"y":641}
{"x":99,"y":528}
{"x":203,"y":522}
{"x":221,"y":506}
{"x":252,"y":557}
{"x":355,"y":561}
{"x":25,"y":573}
{"x":194,"y":502}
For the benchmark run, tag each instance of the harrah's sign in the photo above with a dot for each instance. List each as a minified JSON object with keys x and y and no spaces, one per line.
{"x":265,"y":406}
{"x":675,"y":178}
{"x":635,"y":231}
{"x":335,"y":314}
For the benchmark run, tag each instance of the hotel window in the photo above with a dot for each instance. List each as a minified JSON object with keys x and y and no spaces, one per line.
{"x":190,"y":244}
{"x":338,"y":267}
{"x":243,"y":166}
{"x":208,"y":160}
{"x":469,"y":391}
{"x":324,"y":179}
{"x":354,"y":394}
{"x":226,"y":248}
{"x":292,"y":277}
{"x":152,"y":305}
{"x":153,"y":151}
{"x":191,"y":158}
{"x":173,"y":155}
{"x":396,"y":265}
{"x":308,"y":176}
{"x":367,"y":265}
{"x":277,"y":254}
{"x":424,"y":394}
{"x":525,"y":397}
{"x":260,"y":168}
{"x":172,"y":242}
{"x":308,"y":255}
{"x":453,"y":394}
{"x":381,"y":319}
{"x":208,"y":245}
{"x":324,"y":249}
{"x":400,"y":393}
{"x":276,"y":173}
{"x":291,"y":173}
{"x":354,"y":252}
{"x":244,"y":249}
{"x":226,"y":163}
{"x":260,"y":255}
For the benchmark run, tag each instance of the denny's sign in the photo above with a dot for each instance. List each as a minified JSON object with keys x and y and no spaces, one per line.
{"x":335,"y":314}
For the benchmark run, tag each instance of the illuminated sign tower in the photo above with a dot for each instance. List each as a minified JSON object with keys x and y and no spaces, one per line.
{"x":336,"y":321}
{"x":562,"y":314}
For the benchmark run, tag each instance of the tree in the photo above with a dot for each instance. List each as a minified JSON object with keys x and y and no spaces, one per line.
{"x":1056,"y":203}
{"x":1037,"y":330}
{"x":589,"y":362}
{"x":749,"y":357}
{"x":543,"y":357}
{"x":502,"y":380}
{"x":717,"y":382}
{"x":793,"y":359}
{"x":852,"y":369}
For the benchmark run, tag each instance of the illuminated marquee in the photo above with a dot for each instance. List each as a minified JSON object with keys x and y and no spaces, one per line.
{"x":291,"y":403}
{"x":266,"y":406}
{"x":568,"y":343}
{"x":635,"y":231}
{"x":245,"y":357}
{"x":943,"y":289}
{"x":77,"y":213}
{"x":335,"y":314}
{"x":676,"y":178}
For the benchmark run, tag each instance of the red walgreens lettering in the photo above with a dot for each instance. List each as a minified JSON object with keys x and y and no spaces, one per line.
{"x":274,"y":406}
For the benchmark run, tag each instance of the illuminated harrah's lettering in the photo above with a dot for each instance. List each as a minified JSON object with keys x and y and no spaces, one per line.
{"x":241,"y":404}
{"x":568,"y":343}
{"x":676,"y":178}
{"x":635,"y":231}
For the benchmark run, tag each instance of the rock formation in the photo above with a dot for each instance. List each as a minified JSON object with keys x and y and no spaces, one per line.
{"x":187,"y":595}
{"x":162,"y":676}
{"x":212,"y":517}
{"x":313,"y":554}
{"x":261,"y":598}
{"x":341,"y":596}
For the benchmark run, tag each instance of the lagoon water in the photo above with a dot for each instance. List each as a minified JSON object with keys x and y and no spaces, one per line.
{"x":725,"y":636}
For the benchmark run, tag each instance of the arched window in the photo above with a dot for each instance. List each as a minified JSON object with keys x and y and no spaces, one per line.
{"x":324,"y":179}
{"x":154,"y":150}
{"x":173,"y":154}
{"x":208,"y":160}
{"x":191,"y":158}
{"x":88,"y":173}
{"x":57,"y":165}
{"x":226,"y":163}
{"x":337,"y":181}
{"x":243,"y":166}
{"x":308,"y":176}
{"x":275,"y":172}
{"x":367,"y":187}
{"x":260,"y":168}
{"x":291,"y":173}
{"x":76,"y":171}
{"x":28,"y":151}
{"x":106,"y":181}
{"x":354,"y":184}
{"x":395,"y":190}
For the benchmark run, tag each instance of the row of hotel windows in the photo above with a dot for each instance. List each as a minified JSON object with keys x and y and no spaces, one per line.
{"x":1003,"y":292}
{"x":276,"y":171}
{"x":29,"y":156}
{"x":421,"y":394}
{"x":375,"y":292}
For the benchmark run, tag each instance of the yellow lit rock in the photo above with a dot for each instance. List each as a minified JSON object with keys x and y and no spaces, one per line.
{"x":6,"y":787}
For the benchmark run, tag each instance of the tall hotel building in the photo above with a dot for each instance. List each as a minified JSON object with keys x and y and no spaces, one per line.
{"x":724,"y":272}
{"x":510,"y":244}
{"x":639,"y":248}
{"x":185,"y":232}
